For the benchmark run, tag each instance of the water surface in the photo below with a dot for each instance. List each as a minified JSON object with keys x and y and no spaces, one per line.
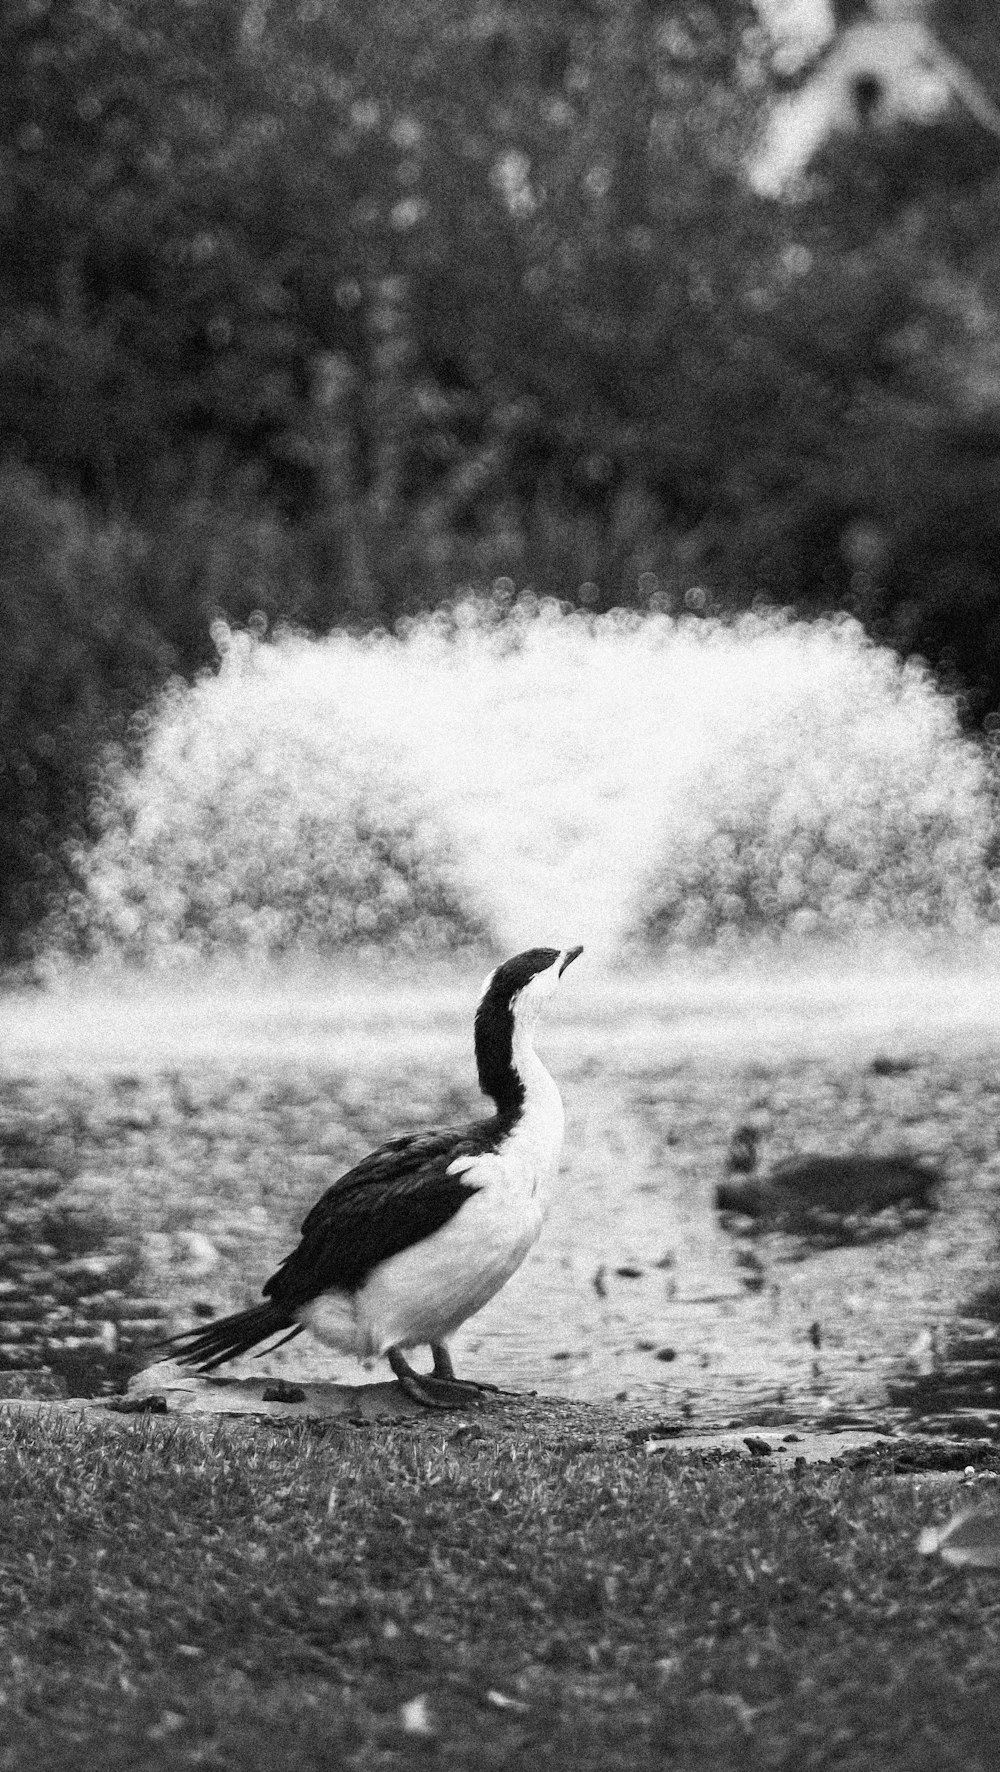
{"x":224,"y":1110}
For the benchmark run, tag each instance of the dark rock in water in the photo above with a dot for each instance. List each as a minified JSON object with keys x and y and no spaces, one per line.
{"x":813,"y":1183}
{"x":885,"y":1065}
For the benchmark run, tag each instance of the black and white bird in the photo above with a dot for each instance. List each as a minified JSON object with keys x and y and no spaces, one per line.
{"x":419,"y":1235}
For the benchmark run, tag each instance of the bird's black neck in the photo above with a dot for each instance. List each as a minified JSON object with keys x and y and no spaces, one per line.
{"x":494,"y":1060}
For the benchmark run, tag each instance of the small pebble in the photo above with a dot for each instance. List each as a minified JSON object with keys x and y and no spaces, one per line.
{"x":281,"y":1392}
{"x":415,"y":1716}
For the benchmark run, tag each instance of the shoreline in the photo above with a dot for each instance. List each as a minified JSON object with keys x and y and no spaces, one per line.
{"x":170,"y":1398}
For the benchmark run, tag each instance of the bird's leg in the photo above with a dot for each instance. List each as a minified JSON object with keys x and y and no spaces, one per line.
{"x":443,"y":1368}
{"x":439,"y":1389}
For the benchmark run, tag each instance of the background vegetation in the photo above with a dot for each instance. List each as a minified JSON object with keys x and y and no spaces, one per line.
{"x":324,"y":312}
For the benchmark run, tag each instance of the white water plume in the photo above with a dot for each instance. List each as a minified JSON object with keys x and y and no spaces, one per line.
{"x":531,"y":774}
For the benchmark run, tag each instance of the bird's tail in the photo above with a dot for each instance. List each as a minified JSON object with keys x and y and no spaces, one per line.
{"x":236,"y":1334}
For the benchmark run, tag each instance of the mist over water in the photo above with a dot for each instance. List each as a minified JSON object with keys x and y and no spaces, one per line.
{"x":496,"y":776}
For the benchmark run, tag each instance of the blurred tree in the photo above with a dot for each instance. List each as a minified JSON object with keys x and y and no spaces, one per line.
{"x":459,"y":204}
{"x":78,"y":650}
{"x":887,"y":282}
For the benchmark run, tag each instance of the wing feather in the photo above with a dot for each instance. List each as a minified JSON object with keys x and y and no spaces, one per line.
{"x":397,"y":1196}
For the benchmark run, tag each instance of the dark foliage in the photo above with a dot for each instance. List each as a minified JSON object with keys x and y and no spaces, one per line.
{"x":78,"y":648}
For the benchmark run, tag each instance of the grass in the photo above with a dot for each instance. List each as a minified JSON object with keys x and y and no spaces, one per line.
{"x":474,"y":1592}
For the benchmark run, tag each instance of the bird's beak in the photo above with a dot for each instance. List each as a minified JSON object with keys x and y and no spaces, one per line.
{"x":569,"y":956}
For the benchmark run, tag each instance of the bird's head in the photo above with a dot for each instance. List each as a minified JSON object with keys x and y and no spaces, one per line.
{"x":522,"y":986}
{"x":741,"y":1158}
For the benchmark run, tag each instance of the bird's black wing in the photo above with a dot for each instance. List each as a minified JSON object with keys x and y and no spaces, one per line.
{"x":398,"y":1195}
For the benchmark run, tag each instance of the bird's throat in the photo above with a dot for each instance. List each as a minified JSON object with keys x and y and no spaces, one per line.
{"x":502,"y":1051}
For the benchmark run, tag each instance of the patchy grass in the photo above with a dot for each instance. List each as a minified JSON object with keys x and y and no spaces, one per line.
{"x":472,"y":1592}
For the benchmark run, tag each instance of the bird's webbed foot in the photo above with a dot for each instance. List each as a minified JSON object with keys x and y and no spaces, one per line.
{"x":439,"y":1389}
